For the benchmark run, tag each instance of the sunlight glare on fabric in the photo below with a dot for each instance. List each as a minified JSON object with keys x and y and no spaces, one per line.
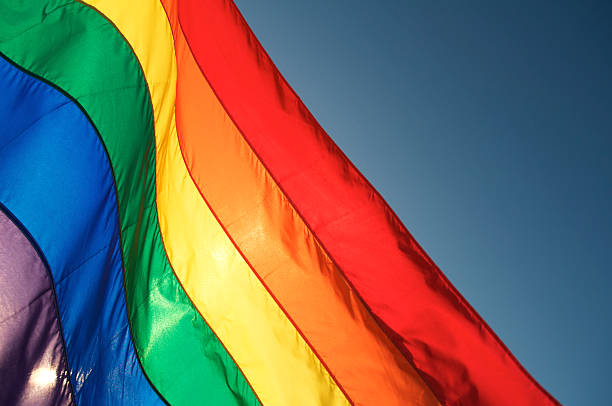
{"x":43,"y":376}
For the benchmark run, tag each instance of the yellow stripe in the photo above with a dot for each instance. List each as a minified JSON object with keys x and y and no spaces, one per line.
{"x":275,"y":359}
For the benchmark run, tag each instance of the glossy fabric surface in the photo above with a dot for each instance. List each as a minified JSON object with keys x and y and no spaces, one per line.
{"x":454,"y":350}
{"x":46,"y":143}
{"x":275,"y":359}
{"x":179,"y":353}
{"x":184,"y":198}
{"x":283,"y":253}
{"x":32,"y":356}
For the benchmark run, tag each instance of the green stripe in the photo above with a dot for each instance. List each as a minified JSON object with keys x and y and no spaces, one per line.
{"x":77,"y":49}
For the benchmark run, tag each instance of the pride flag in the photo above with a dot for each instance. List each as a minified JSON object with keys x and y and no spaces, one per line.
{"x":176,"y":228}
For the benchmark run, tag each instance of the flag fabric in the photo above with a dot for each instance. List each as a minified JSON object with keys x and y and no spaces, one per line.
{"x":176,"y":228}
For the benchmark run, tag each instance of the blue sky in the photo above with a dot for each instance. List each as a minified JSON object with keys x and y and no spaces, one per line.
{"x":487,"y":126}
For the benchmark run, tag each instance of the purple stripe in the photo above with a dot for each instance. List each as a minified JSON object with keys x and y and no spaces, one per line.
{"x":33,"y":368}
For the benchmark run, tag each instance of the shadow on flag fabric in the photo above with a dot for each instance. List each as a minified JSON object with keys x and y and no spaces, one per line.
{"x":176,"y":228}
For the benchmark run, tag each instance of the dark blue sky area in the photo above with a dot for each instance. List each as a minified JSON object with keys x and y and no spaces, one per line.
{"x":487,"y":126}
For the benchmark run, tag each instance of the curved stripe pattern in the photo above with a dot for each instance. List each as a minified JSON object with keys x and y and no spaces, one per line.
{"x":276,"y":360}
{"x":32,"y":356}
{"x":187,"y":200}
{"x":46,"y":143}
{"x":281,"y":248}
{"x":84,"y":55}
{"x":452,"y":347}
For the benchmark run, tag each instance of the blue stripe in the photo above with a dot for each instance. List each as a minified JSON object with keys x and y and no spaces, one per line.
{"x":55,"y":177}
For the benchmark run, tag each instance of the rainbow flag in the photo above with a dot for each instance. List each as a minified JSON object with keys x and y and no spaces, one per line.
{"x":176,"y":228}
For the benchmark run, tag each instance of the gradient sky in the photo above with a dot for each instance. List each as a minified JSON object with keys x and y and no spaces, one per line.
{"x":487,"y":126}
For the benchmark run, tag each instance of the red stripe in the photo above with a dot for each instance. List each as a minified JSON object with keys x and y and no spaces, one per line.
{"x":458,"y":355}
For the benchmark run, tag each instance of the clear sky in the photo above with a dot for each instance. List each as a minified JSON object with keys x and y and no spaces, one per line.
{"x":487,"y":126}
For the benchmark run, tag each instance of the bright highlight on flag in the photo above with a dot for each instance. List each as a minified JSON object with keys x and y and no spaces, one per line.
{"x":177,"y":228}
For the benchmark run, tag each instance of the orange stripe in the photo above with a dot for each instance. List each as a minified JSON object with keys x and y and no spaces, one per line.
{"x":281,"y":248}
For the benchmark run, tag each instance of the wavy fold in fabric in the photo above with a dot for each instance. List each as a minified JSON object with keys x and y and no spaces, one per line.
{"x":194,"y":237}
{"x":38,"y":128}
{"x":33,"y":363}
{"x":32,"y":357}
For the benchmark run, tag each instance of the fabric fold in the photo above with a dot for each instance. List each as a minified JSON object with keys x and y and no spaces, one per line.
{"x":47,"y":143}
{"x":281,"y":249}
{"x":86,"y":57}
{"x":32,"y":356}
{"x":273,"y":355}
{"x":453,"y":349}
